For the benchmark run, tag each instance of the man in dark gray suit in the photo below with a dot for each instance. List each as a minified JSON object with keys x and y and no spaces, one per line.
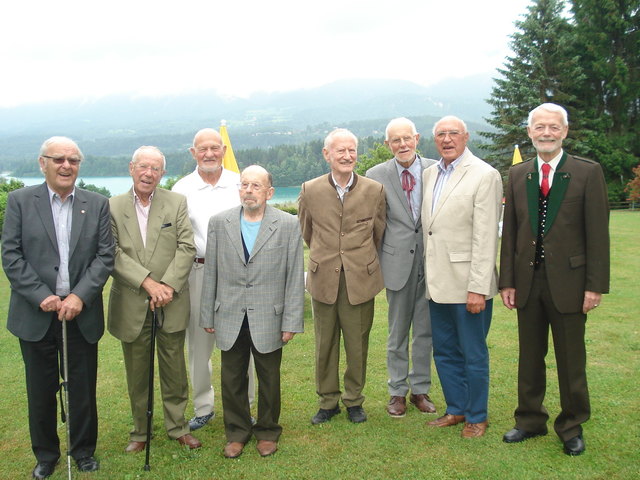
{"x":58,"y":276}
{"x":253,"y":300}
{"x":402,"y":262}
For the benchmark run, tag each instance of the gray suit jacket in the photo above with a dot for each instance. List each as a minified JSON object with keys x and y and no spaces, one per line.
{"x":402,"y":243}
{"x":30,"y":259}
{"x":269,"y":288}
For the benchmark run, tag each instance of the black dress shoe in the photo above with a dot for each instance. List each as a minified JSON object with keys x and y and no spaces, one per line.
{"x":356,"y":414}
{"x":516,"y":435}
{"x":43,"y":469}
{"x":324,"y":415}
{"x":87,"y":464}
{"x":574,"y":446}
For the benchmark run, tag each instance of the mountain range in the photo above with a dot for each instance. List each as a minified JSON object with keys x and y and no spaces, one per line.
{"x":116,"y":125}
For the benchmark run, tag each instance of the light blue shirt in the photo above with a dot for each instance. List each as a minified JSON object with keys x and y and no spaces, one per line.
{"x":444,"y":172}
{"x":249,"y":232}
{"x":62,"y":212}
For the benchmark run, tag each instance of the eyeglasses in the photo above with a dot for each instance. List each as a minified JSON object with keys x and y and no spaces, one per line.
{"x":73,"y":161}
{"x":144,"y":166}
{"x":452,"y":133}
{"x":399,"y":140}
{"x":256,"y":187}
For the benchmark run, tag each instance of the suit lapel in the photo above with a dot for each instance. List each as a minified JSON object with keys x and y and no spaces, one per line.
{"x":132,"y":227}
{"x":77,"y":220}
{"x":232,"y":226}
{"x":556,"y":194}
{"x":43,"y":207}
{"x":394,"y":178}
{"x":154,"y":223}
{"x":268,"y":227}
{"x":456,"y":176}
{"x":533,"y":195}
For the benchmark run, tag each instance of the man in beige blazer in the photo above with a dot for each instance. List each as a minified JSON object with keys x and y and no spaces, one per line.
{"x":154,"y":253}
{"x":460,"y":214}
{"x":342,"y":216}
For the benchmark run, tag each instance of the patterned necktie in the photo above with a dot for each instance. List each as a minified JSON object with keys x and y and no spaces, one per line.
{"x":408,"y":182}
{"x":544,"y":186}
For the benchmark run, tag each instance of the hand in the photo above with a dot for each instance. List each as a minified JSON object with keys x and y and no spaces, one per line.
{"x":210,"y":330}
{"x":51,"y":304}
{"x":475,"y":302}
{"x":160,"y":293}
{"x":508,"y":297}
{"x":286,"y":336}
{"x":70,"y":307}
{"x":591,"y":301}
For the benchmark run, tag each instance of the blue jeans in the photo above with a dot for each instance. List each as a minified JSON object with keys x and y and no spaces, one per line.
{"x":462,"y":358}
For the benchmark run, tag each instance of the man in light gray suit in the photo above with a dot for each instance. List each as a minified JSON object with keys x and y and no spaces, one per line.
{"x":402,"y":262}
{"x":253,"y":300}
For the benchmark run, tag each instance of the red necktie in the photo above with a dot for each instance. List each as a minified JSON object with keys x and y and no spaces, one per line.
{"x":544,"y":186}
{"x":408,"y":182}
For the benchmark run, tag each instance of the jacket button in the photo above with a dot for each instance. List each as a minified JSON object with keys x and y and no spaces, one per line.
{"x":337,"y":269}
{"x":531,"y":264}
{"x":410,"y":251}
{"x":533,"y":242}
{"x":430,"y":233}
{"x":417,"y":230}
{"x":55,"y":268}
{"x":244,"y":310}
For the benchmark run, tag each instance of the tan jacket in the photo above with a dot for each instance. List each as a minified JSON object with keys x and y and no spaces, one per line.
{"x":167,"y":257}
{"x":461,"y":235}
{"x":343,"y":235}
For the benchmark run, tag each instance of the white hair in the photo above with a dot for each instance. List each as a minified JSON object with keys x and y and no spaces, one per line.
{"x":148,"y":148}
{"x":339,"y":132}
{"x":50,"y":141}
{"x":549,"y":107}
{"x":450,"y":118}
{"x":400,"y":121}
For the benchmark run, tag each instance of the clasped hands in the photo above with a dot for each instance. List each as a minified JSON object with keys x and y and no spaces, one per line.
{"x":160,"y":294}
{"x":67,"y":309}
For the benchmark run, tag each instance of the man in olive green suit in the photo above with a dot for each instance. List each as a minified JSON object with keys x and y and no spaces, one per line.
{"x":154,"y":253}
{"x":554,"y":268}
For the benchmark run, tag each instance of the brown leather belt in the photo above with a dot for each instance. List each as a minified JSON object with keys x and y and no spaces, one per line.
{"x":199,"y":260}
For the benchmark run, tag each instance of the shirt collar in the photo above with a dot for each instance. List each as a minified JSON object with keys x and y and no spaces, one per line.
{"x":414,"y":168}
{"x":347,"y":186}
{"x":553,"y":163}
{"x":53,"y":194}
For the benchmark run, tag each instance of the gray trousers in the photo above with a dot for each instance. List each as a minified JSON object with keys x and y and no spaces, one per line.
{"x":409,"y":312}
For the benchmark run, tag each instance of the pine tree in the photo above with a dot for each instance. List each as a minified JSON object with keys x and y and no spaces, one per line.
{"x":540,"y":70}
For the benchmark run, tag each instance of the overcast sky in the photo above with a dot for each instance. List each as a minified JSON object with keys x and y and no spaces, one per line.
{"x":86,"y":49}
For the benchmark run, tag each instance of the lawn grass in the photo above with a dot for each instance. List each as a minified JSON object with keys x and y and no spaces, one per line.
{"x":381,"y":448}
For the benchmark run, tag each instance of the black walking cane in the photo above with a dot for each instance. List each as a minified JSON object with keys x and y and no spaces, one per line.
{"x":64,"y":386}
{"x":155,"y":325}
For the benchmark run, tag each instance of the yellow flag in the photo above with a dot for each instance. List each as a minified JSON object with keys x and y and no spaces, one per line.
{"x":517,"y":158}
{"x":229,"y":160}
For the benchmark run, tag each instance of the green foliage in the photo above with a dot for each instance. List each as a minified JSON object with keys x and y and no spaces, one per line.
{"x":379,"y":153}
{"x":93,"y":188}
{"x":585,"y":60}
{"x":291,"y":208}
{"x":633,"y":187}
{"x":6,"y":186}
{"x":169,"y":182}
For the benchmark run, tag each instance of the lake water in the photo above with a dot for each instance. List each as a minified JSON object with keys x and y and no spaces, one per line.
{"x":118,"y":185}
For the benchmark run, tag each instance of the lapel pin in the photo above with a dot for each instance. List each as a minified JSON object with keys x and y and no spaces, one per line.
{"x":528,"y":176}
{"x":82,"y":211}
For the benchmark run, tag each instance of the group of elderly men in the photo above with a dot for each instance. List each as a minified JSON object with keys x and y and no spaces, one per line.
{"x":220,"y":265}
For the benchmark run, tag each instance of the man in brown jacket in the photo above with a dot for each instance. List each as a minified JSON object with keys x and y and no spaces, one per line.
{"x":554,"y":268}
{"x":342,"y":216}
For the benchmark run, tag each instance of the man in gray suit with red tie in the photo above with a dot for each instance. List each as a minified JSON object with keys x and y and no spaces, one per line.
{"x":554,"y":268}
{"x":57,"y":252}
{"x":402,"y":262}
{"x":253,"y":300}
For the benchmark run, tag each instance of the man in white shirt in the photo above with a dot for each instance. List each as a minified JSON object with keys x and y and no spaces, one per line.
{"x":210,"y":189}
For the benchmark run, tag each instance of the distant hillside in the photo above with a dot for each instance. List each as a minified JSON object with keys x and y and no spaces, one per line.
{"x":117,"y":125}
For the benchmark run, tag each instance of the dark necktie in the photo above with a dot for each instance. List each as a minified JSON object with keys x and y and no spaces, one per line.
{"x":544,"y":186}
{"x":408,"y":182}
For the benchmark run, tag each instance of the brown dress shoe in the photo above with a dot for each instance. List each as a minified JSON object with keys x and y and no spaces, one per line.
{"x":233,"y":449}
{"x":423,"y":403}
{"x":472,"y":430}
{"x":267,"y":447}
{"x":397,"y":406}
{"x":447,"y":420}
{"x":135,"y":447}
{"x":189,"y":440}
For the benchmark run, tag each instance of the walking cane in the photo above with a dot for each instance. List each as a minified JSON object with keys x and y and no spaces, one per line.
{"x":65,"y":388}
{"x":155,"y":324}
